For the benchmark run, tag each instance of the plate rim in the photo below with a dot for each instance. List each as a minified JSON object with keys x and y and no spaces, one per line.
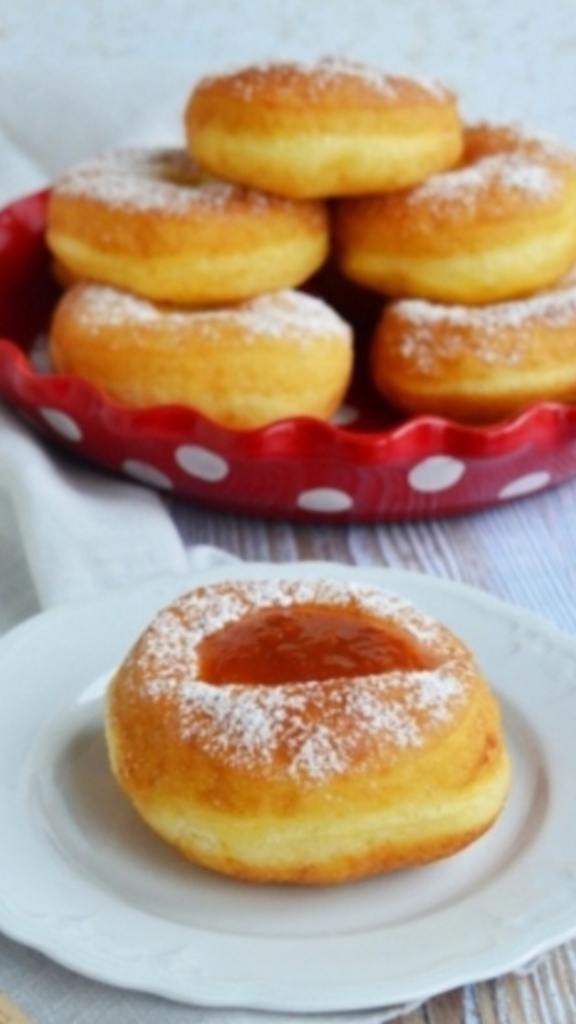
{"x":158,"y":592}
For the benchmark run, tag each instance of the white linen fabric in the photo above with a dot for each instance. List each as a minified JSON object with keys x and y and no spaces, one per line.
{"x":81,"y":532}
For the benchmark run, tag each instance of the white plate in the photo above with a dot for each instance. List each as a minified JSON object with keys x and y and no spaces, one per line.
{"x":85,"y":882}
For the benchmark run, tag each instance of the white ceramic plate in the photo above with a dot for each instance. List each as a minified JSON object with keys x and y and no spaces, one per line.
{"x":85,"y":882}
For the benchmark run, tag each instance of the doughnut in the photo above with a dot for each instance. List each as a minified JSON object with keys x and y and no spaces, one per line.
{"x":500,"y":226}
{"x":477,"y":364}
{"x":150,"y":221}
{"x":309,"y":731}
{"x":331,"y":129}
{"x":244,"y":365}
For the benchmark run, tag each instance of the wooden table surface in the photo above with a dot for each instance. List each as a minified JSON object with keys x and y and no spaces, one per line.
{"x":524,"y":553}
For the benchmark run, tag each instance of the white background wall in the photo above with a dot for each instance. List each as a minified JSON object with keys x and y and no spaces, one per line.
{"x":80,"y":75}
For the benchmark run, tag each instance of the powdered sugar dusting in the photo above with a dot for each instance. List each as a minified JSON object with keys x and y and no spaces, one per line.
{"x":315,"y":80}
{"x":480,"y":330}
{"x":502,"y":159}
{"x":469,"y":186}
{"x":317,"y":726}
{"x":158,"y":180}
{"x":278,"y":315}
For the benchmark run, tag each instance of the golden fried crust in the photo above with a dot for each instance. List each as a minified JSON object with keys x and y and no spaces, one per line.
{"x":334,"y":129}
{"x":151,"y":222}
{"x":477,"y":364}
{"x":501,"y":225}
{"x":309,"y":782}
{"x":243,"y":365}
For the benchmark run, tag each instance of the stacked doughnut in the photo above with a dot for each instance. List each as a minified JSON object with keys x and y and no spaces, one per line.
{"x":466,"y":231}
{"x":475,"y":262}
{"x":200,"y":259}
{"x":181,"y":289}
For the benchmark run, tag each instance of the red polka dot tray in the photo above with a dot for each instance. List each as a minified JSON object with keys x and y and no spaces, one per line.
{"x":367,"y":465}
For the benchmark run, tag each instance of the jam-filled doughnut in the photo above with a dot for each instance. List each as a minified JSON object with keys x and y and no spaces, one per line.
{"x":150,"y":221}
{"x":477,"y":364}
{"x":243,"y":365}
{"x":500,"y":226}
{"x":311,"y":731}
{"x":334,"y":128}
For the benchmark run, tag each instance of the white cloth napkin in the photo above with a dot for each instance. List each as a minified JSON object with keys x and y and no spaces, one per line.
{"x":81,"y":532}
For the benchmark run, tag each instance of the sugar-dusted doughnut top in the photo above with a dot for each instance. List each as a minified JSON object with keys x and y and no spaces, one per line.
{"x":501,"y":165}
{"x":287,"y":315}
{"x":331,"y":83}
{"x":164,"y":181}
{"x":321,"y":708}
{"x":430,"y":336}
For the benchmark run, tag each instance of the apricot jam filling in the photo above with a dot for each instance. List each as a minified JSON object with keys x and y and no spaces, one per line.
{"x":301,"y":643}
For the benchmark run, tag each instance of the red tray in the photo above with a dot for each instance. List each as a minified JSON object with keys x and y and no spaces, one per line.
{"x":367,"y":465}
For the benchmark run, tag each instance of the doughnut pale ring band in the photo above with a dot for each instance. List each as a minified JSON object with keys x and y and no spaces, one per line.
{"x":477,"y":364}
{"x":500,"y":226}
{"x":306,"y":731}
{"x":333,"y":129}
{"x":245,"y":365}
{"x":150,"y":222}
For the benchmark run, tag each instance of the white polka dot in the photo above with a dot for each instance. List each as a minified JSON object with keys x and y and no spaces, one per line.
{"x":324,"y":499}
{"x":436,"y":473}
{"x":525,"y":485}
{"x":201,"y":462}
{"x":345,"y":415}
{"x":146,"y":473}
{"x":62,"y":423}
